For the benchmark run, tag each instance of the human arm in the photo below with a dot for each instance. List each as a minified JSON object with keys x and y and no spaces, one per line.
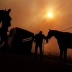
{"x":45,"y":38}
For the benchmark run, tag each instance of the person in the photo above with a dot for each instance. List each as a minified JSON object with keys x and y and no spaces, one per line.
{"x":38,"y":39}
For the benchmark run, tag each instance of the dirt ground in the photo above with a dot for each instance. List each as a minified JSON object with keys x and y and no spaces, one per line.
{"x":22,"y":63}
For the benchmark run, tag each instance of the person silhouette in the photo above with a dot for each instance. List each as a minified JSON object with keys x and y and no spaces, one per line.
{"x":38,"y":39}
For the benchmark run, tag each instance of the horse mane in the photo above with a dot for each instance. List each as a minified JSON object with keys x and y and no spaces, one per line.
{"x":61,"y":33}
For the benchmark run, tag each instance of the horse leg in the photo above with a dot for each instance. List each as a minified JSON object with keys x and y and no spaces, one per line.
{"x":65,"y":55}
{"x":6,"y":43}
{"x":4,"y":38}
{"x":61,"y":53}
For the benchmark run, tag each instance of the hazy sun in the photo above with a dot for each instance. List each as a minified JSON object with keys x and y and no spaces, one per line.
{"x":49,"y":14}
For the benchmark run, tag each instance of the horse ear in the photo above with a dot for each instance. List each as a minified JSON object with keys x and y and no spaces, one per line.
{"x":9,"y":10}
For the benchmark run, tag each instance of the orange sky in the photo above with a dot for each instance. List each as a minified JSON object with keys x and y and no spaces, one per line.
{"x":31,"y":15}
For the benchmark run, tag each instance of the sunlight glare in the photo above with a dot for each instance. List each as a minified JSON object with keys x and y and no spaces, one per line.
{"x":49,"y":15}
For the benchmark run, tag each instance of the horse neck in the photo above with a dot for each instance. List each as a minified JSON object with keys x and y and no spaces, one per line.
{"x":56,"y":35}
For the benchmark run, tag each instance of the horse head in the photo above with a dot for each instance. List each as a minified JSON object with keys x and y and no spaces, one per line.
{"x":50,"y":34}
{"x":5,"y":17}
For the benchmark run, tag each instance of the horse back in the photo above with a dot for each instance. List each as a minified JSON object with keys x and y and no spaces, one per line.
{"x":65,"y":39}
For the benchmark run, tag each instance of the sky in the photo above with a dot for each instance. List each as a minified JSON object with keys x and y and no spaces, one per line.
{"x":32,"y":15}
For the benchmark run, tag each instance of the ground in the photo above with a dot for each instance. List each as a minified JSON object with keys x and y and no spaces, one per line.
{"x":21,"y":63}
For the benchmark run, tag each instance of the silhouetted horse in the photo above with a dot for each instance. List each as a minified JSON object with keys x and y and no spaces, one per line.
{"x":5,"y":19}
{"x":64,"y":40}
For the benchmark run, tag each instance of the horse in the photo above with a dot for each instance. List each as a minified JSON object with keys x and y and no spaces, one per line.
{"x":5,"y":19}
{"x":64,"y":40}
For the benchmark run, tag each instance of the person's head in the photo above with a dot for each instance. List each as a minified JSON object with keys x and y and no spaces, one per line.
{"x":40,"y":32}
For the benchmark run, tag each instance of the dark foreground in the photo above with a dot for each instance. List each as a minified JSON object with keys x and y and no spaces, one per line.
{"x":21,"y":63}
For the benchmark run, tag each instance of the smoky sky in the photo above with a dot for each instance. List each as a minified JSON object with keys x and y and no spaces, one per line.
{"x":30,"y":15}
